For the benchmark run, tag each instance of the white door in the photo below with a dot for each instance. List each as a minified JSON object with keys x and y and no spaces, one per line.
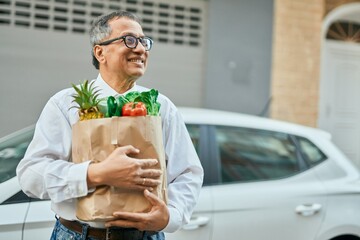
{"x":340,"y":96}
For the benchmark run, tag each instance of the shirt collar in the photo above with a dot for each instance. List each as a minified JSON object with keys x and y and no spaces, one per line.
{"x":106,"y":90}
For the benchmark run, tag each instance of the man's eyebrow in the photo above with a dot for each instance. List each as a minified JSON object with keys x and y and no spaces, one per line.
{"x":132,"y":34}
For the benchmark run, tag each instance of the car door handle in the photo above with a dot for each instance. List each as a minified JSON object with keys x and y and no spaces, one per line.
{"x":196,"y":223}
{"x":308,"y":209}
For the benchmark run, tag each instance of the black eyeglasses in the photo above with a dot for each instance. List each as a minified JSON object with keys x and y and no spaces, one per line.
{"x":132,"y":41}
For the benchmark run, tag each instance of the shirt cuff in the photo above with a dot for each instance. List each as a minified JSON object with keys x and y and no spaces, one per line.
{"x":175,"y":221}
{"x":78,"y":179}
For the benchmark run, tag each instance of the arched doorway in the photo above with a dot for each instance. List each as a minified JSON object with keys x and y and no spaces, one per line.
{"x":339,"y":106}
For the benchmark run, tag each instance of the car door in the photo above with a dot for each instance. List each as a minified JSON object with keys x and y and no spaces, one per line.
{"x":40,"y":220}
{"x":26,"y":218}
{"x":264,"y":190}
{"x":12,"y":210}
{"x":201,"y":222}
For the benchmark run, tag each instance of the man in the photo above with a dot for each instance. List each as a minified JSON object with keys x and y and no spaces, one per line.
{"x":120,"y":52}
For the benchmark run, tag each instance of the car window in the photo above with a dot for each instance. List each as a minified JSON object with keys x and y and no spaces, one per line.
{"x":311,"y":153}
{"x":194,"y":132}
{"x":253,"y":155}
{"x":11,"y":152}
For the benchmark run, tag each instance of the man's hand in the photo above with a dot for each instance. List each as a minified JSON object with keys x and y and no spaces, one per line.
{"x":154,"y":220}
{"x":120,"y":170}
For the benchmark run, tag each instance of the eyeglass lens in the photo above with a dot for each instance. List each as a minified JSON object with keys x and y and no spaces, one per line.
{"x":132,"y":42}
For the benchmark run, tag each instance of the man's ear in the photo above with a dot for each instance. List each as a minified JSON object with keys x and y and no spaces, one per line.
{"x":99,"y":53}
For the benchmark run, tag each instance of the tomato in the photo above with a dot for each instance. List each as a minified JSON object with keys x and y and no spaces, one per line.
{"x":134,"y":109}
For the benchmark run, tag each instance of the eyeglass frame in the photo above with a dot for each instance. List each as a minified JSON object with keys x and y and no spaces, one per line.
{"x":138,"y":39}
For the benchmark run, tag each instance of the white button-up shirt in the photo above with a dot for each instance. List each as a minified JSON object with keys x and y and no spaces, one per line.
{"x":47,"y":171}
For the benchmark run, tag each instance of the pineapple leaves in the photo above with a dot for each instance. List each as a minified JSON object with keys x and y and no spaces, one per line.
{"x":87,"y":98}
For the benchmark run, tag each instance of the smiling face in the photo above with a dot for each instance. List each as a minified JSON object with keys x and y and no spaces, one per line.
{"x":118,"y":61}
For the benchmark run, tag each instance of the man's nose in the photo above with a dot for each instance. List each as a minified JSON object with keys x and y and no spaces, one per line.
{"x":140,"y":48}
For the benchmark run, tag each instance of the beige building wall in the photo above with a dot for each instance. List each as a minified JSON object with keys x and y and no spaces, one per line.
{"x":296,"y":58}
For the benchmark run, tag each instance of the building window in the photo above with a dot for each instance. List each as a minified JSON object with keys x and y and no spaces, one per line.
{"x":344,"y":31}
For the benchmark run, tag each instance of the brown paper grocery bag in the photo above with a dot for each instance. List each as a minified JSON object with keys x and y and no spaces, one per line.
{"x":95,"y":139}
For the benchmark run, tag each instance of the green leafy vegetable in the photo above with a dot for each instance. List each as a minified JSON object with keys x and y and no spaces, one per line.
{"x":112,"y":106}
{"x":149,"y":98}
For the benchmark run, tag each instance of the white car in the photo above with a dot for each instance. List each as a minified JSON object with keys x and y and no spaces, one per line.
{"x":264,"y":179}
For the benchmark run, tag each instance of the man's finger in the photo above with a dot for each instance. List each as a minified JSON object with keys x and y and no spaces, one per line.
{"x":128,"y":149}
{"x":153,"y":199}
{"x":148,"y":163}
{"x":148,"y":182}
{"x":151,"y":173}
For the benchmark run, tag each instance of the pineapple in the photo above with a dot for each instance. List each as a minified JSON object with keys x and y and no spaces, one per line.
{"x":87,"y":99}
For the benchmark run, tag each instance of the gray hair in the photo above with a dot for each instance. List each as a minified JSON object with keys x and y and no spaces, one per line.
{"x":100,"y":29}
